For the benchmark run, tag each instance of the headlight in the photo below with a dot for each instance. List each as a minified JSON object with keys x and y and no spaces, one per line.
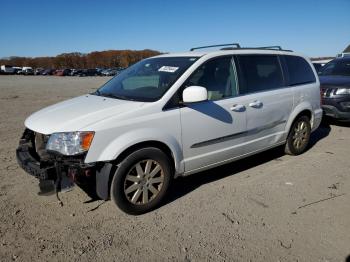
{"x":343,"y":91}
{"x":70,"y":143}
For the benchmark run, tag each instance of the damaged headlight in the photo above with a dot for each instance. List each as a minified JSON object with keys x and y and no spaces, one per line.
{"x":70,"y":143}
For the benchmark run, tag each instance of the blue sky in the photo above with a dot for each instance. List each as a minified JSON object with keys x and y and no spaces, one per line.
{"x":45,"y":28}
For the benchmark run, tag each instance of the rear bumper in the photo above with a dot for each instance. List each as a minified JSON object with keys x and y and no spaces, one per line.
{"x":332,"y":111}
{"x":317,"y":118}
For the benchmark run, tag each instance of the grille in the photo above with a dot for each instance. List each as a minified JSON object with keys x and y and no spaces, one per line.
{"x":328,"y":91}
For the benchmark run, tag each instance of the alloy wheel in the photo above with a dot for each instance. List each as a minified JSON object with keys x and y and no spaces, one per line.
{"x":300,"y":136}
{"x":143,"y":182}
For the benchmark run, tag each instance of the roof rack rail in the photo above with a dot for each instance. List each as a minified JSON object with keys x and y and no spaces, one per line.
{"x":236,"y":46}
{"x":275,"y":47}
{"x":208,"y":46}
{"x":270,"y":47}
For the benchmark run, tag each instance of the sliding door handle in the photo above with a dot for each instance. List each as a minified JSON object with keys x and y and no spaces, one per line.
{"x":238,"y":108}
{"x":256,"y":104}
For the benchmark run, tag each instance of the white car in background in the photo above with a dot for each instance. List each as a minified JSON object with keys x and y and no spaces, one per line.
{"x":7,"y":69}
{"x":173,"y":115}
{"x":27,"y":70}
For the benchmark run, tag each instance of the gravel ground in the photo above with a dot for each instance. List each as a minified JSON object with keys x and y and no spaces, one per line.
{"x":269,"y":207}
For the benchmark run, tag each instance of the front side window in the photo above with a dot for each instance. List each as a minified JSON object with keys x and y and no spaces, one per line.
{"x":299,"y":71}
{"x":147,"y":80}
{"x":337,"y":68}
{"x":217,"y":76}
{"x":259,"y":73}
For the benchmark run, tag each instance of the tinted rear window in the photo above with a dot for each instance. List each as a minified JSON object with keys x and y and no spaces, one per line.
{"x":259,"y":73}
{"x":299,"y":71}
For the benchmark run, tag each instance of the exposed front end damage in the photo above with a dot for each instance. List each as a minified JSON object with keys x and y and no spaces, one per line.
{"x":55,"y":172}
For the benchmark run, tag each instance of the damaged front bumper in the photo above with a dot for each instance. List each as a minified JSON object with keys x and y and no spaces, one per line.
{"x":55,"y":172}
{"x":29,"y":162}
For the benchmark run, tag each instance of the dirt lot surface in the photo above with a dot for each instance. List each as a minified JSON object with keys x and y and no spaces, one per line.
{"x":270,"y":207}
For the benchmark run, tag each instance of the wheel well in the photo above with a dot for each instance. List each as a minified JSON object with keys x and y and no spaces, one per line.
{"x":135,"y":147}
{"x":304,"y":113}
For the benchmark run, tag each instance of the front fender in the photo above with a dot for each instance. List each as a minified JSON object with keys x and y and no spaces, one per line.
{"x":123,"y":142}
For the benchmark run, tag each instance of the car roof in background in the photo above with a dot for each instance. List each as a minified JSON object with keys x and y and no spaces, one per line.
{"x":345,"y":58}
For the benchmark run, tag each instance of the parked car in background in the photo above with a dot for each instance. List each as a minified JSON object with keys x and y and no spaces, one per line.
{"x":38,"y":71}
{"x":59,"y":72}
{"x":335,"y":88}
{"x":173,"y":115}
{"x":7,"y":69}
{"x":63,"y":72}
{"x":27,"y":70}
{"x":105,"y":71}
{"x":109,"y":72}
{"x":88,"y":72}
{"x":47,"y":72}
{"x":75,"y":72}
{"x":99,"y":71}
{"x":17,"y":70}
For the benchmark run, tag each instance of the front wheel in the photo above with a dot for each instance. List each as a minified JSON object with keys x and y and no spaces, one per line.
{"x":299,"y":136}
{"x":141,"y":181}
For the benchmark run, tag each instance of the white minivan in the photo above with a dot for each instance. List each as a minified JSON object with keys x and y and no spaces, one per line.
{"x":172,"y":115}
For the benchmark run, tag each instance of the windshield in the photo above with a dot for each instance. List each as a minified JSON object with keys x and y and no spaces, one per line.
{"x":336,"y":67}
{"x":147,"y":80}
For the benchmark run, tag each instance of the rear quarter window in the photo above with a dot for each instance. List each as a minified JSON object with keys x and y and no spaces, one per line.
{"x":299,"y":71}
{"x":259,"y":73}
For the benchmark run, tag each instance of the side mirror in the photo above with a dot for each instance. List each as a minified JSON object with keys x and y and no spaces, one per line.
{"x":193,"y":94}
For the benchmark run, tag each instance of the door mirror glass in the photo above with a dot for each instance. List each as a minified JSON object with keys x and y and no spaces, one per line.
{"x":193,"y":94}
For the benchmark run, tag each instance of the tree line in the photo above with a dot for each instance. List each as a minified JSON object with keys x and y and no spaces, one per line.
{"x":97,"y":59}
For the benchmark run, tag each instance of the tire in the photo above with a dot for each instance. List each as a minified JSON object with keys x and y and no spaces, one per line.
{"x":299,"y":136}
{"x":137,"y":186}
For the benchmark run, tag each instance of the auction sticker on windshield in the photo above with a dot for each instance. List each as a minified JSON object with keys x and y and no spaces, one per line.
{"x":169,"y":69}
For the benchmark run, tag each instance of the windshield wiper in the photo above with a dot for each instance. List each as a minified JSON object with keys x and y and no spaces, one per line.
{"x":115,"y":96}
{"x":110,"y":95}
{"x":98,"y":93}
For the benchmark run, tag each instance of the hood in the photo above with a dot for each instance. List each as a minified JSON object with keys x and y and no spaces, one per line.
{"x":335,"y":81}
{"x":78,"y":113}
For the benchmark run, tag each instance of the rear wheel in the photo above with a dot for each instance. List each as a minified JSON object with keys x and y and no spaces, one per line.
{"x":141,"y":181}
{"x":299,"y":136}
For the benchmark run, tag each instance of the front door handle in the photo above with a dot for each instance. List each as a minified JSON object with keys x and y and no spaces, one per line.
{"x":256,"y":104}
{"x":238,"y":108}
